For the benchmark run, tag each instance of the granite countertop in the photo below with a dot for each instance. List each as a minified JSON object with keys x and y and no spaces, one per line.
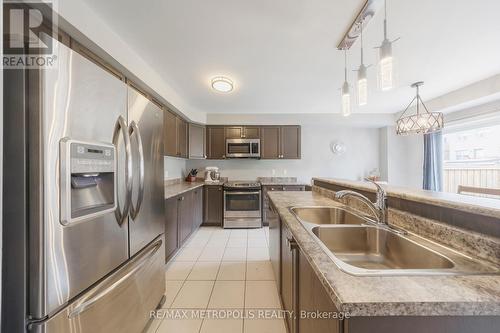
{"x":174,"y":187}
{"x":276,"y":181}
{"x":388,"y":295}
{"x":172,"y":190}
{"x":466,"y":203}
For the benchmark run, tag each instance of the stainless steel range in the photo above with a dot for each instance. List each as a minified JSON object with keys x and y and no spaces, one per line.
{"x":242,"y":204}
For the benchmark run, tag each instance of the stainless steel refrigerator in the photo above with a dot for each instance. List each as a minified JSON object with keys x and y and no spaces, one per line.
{"x":83,"y":183}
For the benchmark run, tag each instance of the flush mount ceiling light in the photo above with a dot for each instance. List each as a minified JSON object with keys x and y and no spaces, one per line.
{"x":423,"y":122}
{"x":222,"y":84}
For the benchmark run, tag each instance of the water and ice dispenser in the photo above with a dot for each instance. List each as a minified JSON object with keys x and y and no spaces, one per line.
{"x":88,"y":179}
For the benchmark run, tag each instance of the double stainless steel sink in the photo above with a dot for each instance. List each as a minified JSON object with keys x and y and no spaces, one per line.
{"x":358,"y":246}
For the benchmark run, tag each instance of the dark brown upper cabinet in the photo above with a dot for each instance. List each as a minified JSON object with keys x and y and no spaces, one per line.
{"x":251,"y":132}
{"x":170,"y":133}
{"x":290,"y":142}
{"x":197,"y":139}
{"x":242,"y":132}
{"x":270,"y":143}
{"x":277,"y":142}
{"x":216,"y":143}
{"x":234,"y":132}
{"x":280,"y":142}
{"x":175,"y":135}
{"x":182,"y":137}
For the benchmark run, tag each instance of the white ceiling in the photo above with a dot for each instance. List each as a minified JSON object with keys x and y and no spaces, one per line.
{"x":282,"y":53}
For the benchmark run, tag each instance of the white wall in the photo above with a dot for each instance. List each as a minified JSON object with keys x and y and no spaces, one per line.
{"x":361,"y":157}
{"x":174,"y":167}
{"x":401,"y":158}
{"x":93,"y":27}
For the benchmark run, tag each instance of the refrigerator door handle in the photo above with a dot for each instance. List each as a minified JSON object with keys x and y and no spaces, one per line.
{"x":134,"y":209}
{"x":86,"y":304}
{"x":121,"y":126}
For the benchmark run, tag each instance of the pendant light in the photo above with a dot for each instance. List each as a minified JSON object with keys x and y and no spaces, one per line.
{"x":385,"y":63}
{"x":345,"y":93}
{"x":423,"y":121}
{"x":362,"y":78}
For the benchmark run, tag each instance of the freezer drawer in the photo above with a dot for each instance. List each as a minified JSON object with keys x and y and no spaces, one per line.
{"x":121,"y":303}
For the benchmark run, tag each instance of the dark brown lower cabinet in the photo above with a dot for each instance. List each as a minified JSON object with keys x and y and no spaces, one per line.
{"x":312,"y":298}
{"x":197,"y":207}
{"x":302,"y":292}
{"x":171,"y":228}
{"x":183,"y":215}
{"x":289,"y":278}
{"x":274,"y":243}
{"x":419,"y":324}
{"x":271,"y":188}
{"x":213,"y":207}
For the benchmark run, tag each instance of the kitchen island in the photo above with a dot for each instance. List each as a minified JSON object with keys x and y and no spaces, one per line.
{"x":456,"y":303}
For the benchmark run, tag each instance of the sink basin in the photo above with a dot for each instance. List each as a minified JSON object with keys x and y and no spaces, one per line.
{"x":326,"y":215}
{"x":373,"y":248}
{"x":358,"y":246}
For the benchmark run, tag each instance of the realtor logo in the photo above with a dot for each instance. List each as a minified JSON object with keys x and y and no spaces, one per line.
{"x":28,"y":30}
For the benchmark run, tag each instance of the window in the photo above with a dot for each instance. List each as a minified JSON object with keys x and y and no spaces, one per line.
{"x":472,"y":160}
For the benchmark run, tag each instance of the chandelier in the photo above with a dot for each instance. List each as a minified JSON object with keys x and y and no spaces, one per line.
{"x":423,"y":121}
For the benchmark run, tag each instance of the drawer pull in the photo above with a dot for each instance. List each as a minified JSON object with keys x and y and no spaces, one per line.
{"x":291,"y":243}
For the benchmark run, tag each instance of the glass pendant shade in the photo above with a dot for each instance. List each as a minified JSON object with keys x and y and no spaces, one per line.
{"x":422,"y":122}
{"x":345,"y":91}
{"x":346,"y":100}
{"x":385,"y":66}
{"x":386,"y":75}
{"x":362,"y":86}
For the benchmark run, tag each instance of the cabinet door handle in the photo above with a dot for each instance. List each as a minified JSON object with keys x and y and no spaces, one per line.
{"x":292,"y":244}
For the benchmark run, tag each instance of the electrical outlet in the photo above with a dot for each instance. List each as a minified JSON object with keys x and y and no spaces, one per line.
{"x":284,"y":172}
{"x":273,"y":172}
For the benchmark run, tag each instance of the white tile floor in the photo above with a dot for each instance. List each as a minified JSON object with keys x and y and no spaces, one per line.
{"x":222,"y":269}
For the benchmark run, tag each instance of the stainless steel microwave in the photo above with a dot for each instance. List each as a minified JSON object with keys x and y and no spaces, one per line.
{"x":242,"y":148}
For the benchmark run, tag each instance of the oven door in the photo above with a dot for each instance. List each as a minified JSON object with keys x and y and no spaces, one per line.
{"x":242,"y":204}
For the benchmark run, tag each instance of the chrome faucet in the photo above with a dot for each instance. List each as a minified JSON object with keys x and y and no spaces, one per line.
{"x":378,"y":208}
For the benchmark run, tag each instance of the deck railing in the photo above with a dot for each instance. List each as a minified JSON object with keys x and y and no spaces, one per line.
{"x":487,"y":177}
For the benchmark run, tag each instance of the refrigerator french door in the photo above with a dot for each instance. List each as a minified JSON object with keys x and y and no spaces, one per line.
{"x":147,"y":206}
{"x":91,"y":209}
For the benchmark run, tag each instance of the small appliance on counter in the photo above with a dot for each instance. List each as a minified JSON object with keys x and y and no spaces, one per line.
{"x":242,"y":204}
{"x":212,"y":174}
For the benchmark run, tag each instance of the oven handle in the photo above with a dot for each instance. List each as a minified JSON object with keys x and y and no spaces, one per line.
{"x":231,"y":192}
